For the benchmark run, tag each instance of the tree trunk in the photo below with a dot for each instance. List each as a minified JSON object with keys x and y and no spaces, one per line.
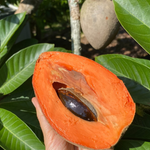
{"x":28,"y":6}
{"x":75,"y":25}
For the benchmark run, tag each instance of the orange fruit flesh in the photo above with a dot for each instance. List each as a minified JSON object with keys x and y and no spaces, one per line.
{"x":107,"y":93}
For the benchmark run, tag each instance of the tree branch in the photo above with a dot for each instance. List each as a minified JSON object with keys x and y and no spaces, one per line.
{"x":75,"y":25}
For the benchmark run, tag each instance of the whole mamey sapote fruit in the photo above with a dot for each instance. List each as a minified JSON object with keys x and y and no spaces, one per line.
{"x":83,"y":101}
{"x":99,"y":22}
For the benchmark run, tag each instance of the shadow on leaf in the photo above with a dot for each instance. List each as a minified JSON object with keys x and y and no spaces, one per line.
{"x":139,"y":93}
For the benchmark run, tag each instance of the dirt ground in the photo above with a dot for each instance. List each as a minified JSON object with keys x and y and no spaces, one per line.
{"x":122,"y":44}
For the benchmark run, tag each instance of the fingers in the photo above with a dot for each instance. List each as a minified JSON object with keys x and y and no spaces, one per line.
{"x":52,"y":140}
{"x":48,"y":131}
{"x":42,"y":120}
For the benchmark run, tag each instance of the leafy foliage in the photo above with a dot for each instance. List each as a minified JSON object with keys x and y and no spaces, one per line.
{"x":19,"y":127}
{"x":13,"y":129}
{"x":132,"y":145}
{"x":12,"y":1}
{"x":133,"y":16}
{"x":141,"y":124}
{"x":20,"y":67}
{"x":133,"y":71}
{"x":9,"y":25}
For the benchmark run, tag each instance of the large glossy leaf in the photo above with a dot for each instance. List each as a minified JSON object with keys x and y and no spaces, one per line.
{"x":132,"y":145}
{"x":19,"y":102}
{"x":20,"y":99}
{"x":8,"y":27}
{"x":31,"y":120}
{"x":20,"y":67}
{"x":139,"y":93}
{"x":60,"y":49}
{"x":20,"y":45}
{"x":15,"y":135}
{"x":134,"y":17}
{"x":140,"y":128}
{"x":134,"y":72}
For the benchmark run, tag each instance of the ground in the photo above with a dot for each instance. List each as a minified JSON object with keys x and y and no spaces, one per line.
{"x":122,"y":44}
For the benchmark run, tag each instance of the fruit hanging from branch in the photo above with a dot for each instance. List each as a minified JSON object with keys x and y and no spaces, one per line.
{"x":99,"y":22}
{"x":83,"y":101}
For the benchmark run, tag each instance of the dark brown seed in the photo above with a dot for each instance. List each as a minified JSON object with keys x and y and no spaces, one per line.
{"x":78,"y":105}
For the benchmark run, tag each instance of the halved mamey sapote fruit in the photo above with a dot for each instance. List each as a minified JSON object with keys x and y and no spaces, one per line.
{"x":83,"y":101}
{"x":99,"y":22}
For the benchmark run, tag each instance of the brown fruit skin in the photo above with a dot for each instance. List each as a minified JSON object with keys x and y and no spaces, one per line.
{"x":99,"y":22}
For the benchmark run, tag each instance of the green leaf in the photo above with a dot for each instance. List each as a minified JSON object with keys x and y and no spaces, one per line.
{"x":20,"y":99}
{"x":60,"y":49}
{"x":132,"y":145}
{"x":24,"y":44}
{"x":21,"y":45}
{"x":19,"y":102}
{"x":20,"y":67}
{"x":139,"y":93}
{"x":8,"y":27}
{"x":134,"y":17}
{"x":15,"y":135}
{"x":134,"y":72}
{"x":140,"y":128}
{"x":31,"y":120}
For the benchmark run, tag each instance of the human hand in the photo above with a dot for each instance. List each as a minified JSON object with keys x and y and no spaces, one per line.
{"x":52,"y":140}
